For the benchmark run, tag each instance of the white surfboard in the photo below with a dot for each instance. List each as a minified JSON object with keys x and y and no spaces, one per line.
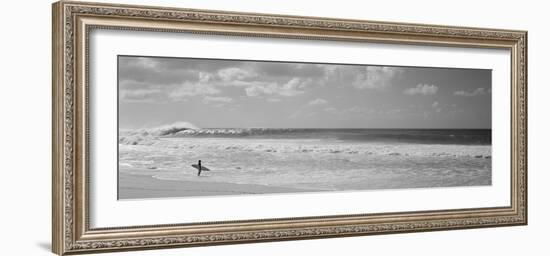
{"x":196,"y":166}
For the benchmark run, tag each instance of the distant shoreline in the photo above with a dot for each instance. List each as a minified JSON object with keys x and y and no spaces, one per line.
{"x":132,"y":186}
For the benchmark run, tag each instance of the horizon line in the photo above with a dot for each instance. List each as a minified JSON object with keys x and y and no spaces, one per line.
{"x":331,"y":128}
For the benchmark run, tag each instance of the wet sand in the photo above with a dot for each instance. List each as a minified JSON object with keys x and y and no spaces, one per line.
{"x":132,"y":186}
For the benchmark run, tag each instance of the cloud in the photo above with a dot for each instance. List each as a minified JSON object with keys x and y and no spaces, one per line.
{"x":257,"y":89}
{"x":234,"y":73}
{"x":374,"y":77}
{"x":422,"y":89}
{"x":132,"y":91}
{"x":177,"y":79}
{"x":154,"y":71}
{"x":436,"y":106}
{"x":273,"y":100}
{"x":356,"y":76}
{"x":477,"y":92}
{"x":192,"y":89}
{"x":140,"y":95}
{"x":288,"y":70}
{"x":210,"y":99}
{"x":205,"y":77}
{"x":291,"y":88}
{"x":140,"y":62}
{"x":317,"y":102}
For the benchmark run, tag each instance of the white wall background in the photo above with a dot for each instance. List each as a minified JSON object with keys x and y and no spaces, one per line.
{"x":25,"y":149}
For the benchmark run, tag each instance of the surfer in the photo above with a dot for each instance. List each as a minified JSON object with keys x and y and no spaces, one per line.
{"x":199,"y":168}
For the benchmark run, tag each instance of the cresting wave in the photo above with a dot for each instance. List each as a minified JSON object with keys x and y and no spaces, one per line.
{"x":186,"y":129}
{"x":145,"y":135}
{"x":241,"y":132}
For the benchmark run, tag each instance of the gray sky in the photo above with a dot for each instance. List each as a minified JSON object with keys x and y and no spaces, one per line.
{"x":230,"y":93}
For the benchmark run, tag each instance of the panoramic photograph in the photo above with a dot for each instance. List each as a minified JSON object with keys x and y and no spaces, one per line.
{"x":192,"y":127}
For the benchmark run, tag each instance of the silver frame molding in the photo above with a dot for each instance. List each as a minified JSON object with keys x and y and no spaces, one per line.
{"x":72,"y":22}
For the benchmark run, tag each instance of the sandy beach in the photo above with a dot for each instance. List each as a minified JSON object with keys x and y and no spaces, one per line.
{"x":135,"y":186}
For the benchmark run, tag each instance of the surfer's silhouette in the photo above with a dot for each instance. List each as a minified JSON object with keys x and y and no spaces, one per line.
{"x":200,"y":168}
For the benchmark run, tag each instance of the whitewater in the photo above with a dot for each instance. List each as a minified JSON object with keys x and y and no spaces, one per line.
{"x":309,"y":159}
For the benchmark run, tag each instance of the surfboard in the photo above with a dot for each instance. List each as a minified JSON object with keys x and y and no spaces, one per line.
{"x":196,"y":166}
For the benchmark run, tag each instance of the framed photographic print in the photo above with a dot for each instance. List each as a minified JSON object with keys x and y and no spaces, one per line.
{"x":179,"y":127}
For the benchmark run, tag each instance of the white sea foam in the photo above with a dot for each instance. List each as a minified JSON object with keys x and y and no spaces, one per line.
{"x":309,"y":159}
{"x":310,"y":163}
{"x":313,"y":146}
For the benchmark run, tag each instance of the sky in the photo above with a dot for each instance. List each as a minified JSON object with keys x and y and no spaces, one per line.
{"x":211,"y":93}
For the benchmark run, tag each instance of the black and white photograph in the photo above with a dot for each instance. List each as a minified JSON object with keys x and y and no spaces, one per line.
{"x":212,"y":127}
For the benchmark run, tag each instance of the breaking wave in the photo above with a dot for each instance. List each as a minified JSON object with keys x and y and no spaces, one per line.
{"x":144,"y":136}
{"x":170,"y":129}
{"x":240,"y":132}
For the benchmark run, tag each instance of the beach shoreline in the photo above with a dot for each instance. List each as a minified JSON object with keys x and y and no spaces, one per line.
{"x":144,"y":186}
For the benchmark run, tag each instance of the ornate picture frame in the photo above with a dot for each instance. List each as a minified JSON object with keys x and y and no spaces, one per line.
{"x":72,"y":23}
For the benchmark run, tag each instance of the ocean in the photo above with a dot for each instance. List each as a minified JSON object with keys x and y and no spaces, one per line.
{"x":311,"y":159}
